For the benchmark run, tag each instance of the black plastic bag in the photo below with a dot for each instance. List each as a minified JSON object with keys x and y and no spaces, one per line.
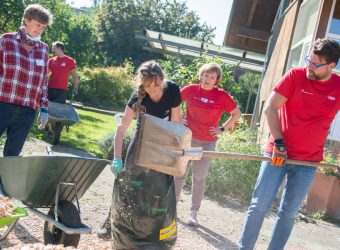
{"x":143,"y":207}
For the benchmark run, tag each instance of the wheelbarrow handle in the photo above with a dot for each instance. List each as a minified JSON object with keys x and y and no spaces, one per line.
{"x":197,"y":154}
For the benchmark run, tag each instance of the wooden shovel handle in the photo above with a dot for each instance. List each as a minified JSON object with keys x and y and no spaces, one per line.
{"x":212,"y":154}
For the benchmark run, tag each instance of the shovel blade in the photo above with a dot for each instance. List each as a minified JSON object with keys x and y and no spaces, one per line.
{"x":161,"y":145}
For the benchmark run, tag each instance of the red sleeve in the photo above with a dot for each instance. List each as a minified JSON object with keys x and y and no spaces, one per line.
{"x":228,"y":104}
{"x":185,"y":92}
{"x":285,"y":86}
{"x":73,"y":64}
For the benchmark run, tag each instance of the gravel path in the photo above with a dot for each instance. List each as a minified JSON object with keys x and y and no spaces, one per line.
{"x":220,"y":228}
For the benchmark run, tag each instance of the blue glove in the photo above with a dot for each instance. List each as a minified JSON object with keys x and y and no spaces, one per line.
{"x":42,"y":118}
{"x":117,"y":166}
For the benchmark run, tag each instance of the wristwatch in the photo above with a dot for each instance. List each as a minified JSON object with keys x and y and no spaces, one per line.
{"x":221,"y":129}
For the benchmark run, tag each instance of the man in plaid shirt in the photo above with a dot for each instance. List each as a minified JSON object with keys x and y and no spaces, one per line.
{"x":23,"y":78}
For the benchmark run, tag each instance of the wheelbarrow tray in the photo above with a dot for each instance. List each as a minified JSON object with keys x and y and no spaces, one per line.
{"x":34,"y":179}
{"x":63,"y":113}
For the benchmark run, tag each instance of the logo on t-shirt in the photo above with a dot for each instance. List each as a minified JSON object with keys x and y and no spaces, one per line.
{"x":332,"y":98}
{"x":205,"y":100}
{"x":63,"y":64}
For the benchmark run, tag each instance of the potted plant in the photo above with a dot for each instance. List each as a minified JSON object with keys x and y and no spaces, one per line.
{"x":324,"y":192}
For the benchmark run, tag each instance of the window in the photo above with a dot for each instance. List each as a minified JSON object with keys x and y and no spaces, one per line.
{"x":304,"y":32}
{"x":334,"y":27}
{"x":335,"y":20}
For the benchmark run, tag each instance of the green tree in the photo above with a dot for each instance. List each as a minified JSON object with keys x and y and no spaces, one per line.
{"x":75,"y":29}
{"x":186,"y":72}
{"x":81,"y":42}
{"x":120,"y":20}
{"x":10,"y":15}
{"x":245,"y":91}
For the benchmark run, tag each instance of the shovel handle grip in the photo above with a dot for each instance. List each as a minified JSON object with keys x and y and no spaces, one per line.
{"x":213,"y":154}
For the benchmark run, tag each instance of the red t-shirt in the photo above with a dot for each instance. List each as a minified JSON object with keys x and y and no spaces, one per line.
{"x":204,"y":109}
{"x":307,"y":115}
{"x":60,"y":68}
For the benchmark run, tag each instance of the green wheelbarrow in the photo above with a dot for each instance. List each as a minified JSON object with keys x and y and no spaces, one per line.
{"x":54,"y":182}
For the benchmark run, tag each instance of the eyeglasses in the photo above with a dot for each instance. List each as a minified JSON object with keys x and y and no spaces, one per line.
{"x":313,"y":64}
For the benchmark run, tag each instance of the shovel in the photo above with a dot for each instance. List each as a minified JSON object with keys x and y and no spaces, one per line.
{"x":166,"y":147}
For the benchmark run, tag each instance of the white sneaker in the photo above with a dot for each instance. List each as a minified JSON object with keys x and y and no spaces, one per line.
{"x":192,"y":221}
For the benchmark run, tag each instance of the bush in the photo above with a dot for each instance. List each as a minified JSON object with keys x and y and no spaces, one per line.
{"x":330,"y":160}
{"x":233,"y":178}
{"x":107,"y":145}
{"x":106,"y":87}
{"x":187,"y":72}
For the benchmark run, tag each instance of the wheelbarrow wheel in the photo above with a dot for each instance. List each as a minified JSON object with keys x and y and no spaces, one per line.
{"x":68,"y":215}
{"x":58,"y":127}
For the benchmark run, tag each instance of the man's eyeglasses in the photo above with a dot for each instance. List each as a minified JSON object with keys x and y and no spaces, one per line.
{"x":313,"y":64}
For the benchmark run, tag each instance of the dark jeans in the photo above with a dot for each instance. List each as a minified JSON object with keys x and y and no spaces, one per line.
{"x":17,"y":121}
{"x":57,"y":95}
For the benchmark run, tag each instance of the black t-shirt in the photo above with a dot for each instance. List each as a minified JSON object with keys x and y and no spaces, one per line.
{"x":171,"y":98}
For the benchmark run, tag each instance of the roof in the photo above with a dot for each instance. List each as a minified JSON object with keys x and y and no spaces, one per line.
{"x":174,"y":45}
{"x":250,"y":24}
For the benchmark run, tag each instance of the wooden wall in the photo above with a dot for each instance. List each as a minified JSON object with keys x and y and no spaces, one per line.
{"x":278,"y":60}
{"x":276,"y":65}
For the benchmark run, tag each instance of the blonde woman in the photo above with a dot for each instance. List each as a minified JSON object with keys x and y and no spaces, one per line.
{"x":206,"y":103}
{"x":144,"y":203}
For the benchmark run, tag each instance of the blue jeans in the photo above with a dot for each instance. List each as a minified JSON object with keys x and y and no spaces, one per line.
{"x":299,"y":179}
{"x":17,"y":121}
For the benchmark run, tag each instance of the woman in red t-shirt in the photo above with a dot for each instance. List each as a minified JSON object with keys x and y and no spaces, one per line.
{"x":206,"y":103}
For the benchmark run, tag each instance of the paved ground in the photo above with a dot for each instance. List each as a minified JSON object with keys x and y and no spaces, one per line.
{"x":220,"y":228}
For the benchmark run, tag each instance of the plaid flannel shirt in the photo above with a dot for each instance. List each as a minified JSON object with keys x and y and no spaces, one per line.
{"x":23,"y":74}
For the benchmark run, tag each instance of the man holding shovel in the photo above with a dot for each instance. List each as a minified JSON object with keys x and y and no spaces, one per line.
{"x":299,"y":113}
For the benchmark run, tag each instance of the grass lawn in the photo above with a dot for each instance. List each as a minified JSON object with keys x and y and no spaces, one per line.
{"x":93,"y":127}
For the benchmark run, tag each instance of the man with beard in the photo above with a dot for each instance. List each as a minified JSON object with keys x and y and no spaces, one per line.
{"x":299,"y":112}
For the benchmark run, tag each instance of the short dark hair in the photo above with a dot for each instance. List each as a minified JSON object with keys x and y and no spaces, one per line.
{"x":59,"y":45}
{"x":328,"y":49}
{"x":38,"y":13}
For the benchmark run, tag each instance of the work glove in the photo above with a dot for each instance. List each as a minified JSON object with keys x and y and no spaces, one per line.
{"x":117,"y":166}
{"x":118,"y":118}
{"x":279,"y":155}
{"x":42,"y":118}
